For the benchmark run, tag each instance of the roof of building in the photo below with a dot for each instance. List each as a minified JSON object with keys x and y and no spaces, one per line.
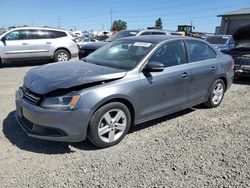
{"x":242,"y":11}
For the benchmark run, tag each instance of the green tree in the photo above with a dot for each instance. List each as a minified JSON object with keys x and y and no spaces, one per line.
{"x":158,"y":23}
{"x":119,"y":25}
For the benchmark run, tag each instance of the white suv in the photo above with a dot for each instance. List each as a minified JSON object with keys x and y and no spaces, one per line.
{"x":37,"y":43}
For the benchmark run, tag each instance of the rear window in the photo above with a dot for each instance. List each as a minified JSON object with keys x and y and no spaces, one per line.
{"x":121,"y":34}
{"x":217,"y":39}
{"x":57,"y":34}
{"x":38,"y":34}
{"x":199,"y":51}
{"x":159,"y":33}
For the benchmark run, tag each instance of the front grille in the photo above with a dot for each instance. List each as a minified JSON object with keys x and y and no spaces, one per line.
{"x":28,"y":95}
{"x":39,"y":130}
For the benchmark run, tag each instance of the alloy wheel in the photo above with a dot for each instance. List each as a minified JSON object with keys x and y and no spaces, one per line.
{"x":112,"y":125}
{"x":218,"y":92}
{"x":62,"y":56}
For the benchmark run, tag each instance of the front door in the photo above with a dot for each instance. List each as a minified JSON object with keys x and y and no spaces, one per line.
{"x":165,"y":91}
{"x":16,"y":45}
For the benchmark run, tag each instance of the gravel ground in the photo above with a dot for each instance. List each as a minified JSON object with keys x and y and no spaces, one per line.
{"x":196,"y":147}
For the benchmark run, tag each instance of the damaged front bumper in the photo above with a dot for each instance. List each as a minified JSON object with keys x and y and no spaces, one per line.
{"x":242,"y":66}
{"x":54,"y":125}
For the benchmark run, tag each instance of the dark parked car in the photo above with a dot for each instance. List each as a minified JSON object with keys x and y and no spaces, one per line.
{"x":221,"y":42}
{"x":126,"y":82}
{"x":241,"y":52}
{"x":86,"y":49}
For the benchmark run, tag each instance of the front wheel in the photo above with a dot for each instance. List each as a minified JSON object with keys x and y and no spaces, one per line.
{"x":61,"y":55}
{"x":109,"y":124}
{"x":216,"y":94}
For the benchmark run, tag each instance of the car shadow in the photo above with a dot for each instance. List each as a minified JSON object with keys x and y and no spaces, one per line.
{"x":242,"y":81}
{"x":154,"y":122}
{"x":24,"y":63}
{"x":14,"y":133}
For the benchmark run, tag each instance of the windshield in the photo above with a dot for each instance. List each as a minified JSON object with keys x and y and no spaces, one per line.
{"x":121,"y":34}
{"x":217,"y":39}
{"x":120,"y":54}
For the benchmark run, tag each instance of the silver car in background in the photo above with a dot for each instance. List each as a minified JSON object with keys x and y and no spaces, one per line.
{"x":30,"y":43}
{"x":126,"y":82}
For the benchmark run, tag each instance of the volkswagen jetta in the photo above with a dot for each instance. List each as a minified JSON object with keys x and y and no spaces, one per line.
{"x":124,"y":83}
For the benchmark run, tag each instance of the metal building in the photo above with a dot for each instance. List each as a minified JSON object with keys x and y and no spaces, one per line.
{"x":230,"y":21}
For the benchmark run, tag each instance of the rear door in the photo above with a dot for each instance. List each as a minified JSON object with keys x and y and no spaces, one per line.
{"x":162,"y":92}
{"x":40,"y":43}
{"x":16,"y":45}
{"x":203,"y":69}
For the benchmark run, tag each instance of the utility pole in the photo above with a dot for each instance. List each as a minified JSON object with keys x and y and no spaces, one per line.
{"x":111,"y":18}
{"x":59,"y":22}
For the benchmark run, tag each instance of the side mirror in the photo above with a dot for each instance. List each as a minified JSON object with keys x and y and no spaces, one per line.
{"x":3,"y":39}
{"x":154,"y":67}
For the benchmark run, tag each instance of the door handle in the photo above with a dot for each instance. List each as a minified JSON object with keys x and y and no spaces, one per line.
{"x":213,"y":69}
{"x":48,"y":42}
{"x":24,"y":43}
{"x":185,"y":75}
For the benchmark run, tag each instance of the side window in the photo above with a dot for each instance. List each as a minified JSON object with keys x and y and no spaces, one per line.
{"x":17,"y":35}
{"x":199,"y":51}
{"x":38,"y":34}
{"x":147,"y":33}
{"x":57,"y":34}
{"x":170,"y":54}
{"x":159,"y":33}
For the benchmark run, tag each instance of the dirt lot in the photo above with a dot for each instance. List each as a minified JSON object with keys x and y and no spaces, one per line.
{"x":196,"y":147}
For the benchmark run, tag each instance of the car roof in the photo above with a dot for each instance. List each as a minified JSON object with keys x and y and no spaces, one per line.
{"x":40,"y":28}
{"x":155,"y":38}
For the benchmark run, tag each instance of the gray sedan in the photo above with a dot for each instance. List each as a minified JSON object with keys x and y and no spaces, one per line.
{"x":124,"y":83}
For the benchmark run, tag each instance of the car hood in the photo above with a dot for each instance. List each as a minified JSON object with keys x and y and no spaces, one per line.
{"x":242,"y":34}
{"x":92,"y":46}
{"x":238,"y":51}
{"x":64,"y":75}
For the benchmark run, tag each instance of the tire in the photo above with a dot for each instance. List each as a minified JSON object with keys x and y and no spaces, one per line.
{"x":61,"y":55}
{"x":1,"y":62}
{"x":105,"y":129}
{"x":216,"y":94}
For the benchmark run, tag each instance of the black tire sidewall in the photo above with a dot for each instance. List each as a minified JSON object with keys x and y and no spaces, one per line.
{"x":211,"y":103}
{"x":95,"y":119}
{"x":58,"y":52}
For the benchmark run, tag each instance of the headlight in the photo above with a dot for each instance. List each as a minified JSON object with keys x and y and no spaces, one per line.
{"x":61,"y":103}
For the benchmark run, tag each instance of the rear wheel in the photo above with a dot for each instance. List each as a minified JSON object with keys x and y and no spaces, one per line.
{"x":61,"y":55}
{"x":216,"y":94}
{"x":109,"y":124}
